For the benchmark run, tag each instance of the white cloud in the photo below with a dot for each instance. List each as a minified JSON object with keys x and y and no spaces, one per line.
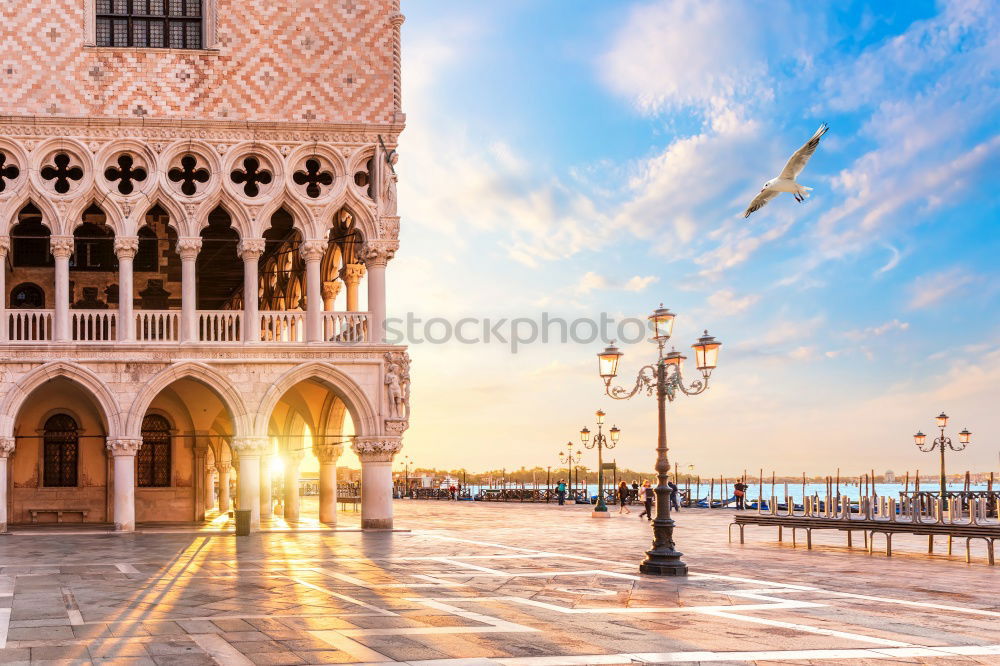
{"x":929,"y":290}
{"x":725,"y":302}
{"x":592,"y":281}
{"x":877,"y":331}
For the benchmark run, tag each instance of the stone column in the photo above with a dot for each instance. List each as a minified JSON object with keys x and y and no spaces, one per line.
{"x":327,"y":454}
{"x":126,"y":248}
{"x":223,"y":469}
{"x":4,"y":249}
{"x":352,"y":278}
{"x":292,"y":461}
{"x":376,"y":454}
{"x":61,"y":248}
{"x":123,"y":451}
{"x":250,"y":250}
{"x":250,"y":450}
{"x":330,"y":290}
{"x":189,"y":248}
{"x":200,"y":488}
{"x":312,"y":252}
{"x":6,"y":448}
{"x":266,"y":510}
{"x":209,"y":488}
{"x":375,"y":260}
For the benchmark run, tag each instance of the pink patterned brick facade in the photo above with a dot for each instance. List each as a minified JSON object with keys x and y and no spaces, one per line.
{"x":328,"y":61}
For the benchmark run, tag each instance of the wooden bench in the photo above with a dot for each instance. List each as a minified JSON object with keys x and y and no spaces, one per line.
{"x":59,"y":513}
{"x":989,"y":533}
{"x":348,"y":499}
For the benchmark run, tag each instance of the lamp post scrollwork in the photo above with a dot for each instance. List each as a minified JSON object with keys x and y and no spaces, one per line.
{"x":600,"y":442}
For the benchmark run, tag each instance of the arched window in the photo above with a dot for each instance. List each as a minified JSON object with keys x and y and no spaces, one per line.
{"x":27,"y":295}
{"x":61,"y":439}
{"x":147,"y":258}
{"x":30,"y":239}
{"x":154,"y":456}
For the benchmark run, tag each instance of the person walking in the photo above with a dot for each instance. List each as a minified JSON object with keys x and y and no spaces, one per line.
{"x":673,"y":495}
{"x":561,"y":492}
{"x":634,"y":497}
{"x":623,"y":495}
{"x":740,"y":491}
{"x":647,"y":499}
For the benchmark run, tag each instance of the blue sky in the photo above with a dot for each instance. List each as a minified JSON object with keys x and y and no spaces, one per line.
{"x":585,"y":157}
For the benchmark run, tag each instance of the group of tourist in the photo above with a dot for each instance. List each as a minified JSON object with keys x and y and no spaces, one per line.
{"x":626,"y":495}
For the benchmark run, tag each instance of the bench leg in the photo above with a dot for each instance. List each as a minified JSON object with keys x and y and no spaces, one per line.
{"x":949,"y":544}
{"x":989,"y":551}
{"x":888,"y":544}
{"x":865,"y":532}
{"x":809,"y":538}
{"x":871,"y":542}
{"x":793,"y":537}
{"x":730,"y":532}
{"x":968,"y":550}
{"x":741,"y":534}
{"x":849,"y":542}
{"x":779,"y":534}
{"x":930,"y":544}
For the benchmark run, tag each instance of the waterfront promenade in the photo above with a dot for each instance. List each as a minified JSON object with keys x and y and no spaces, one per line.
{"x":485,"y":584}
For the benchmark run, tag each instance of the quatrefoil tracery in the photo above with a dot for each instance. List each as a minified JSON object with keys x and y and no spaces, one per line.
{"x":124,"y":173}
{"x":312,"y":178}
{"x":251,"y":176}
{"x":61,"y":173}
{"x":7,"y":171}
{"x":188,"y":175}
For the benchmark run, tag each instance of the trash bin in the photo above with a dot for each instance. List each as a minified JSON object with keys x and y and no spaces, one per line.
{"x":243,"y":523}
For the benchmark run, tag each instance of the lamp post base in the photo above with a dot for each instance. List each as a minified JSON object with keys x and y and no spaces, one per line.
{"x":597,"y":513}
{"x":663,"y":563}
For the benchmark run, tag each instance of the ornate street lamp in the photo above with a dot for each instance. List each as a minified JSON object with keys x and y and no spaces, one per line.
{"x":569,"y":459}
{"x":665,"y":380}
{"x":601,"y":442}
{"x":942,"y":443}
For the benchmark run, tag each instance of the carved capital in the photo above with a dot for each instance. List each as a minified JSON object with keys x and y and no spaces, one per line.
{"x":312,"y":250}
{"x":250,"y":249}
{"x":328,"y":453}
{"x":378,"y":253}
{"x":353,"y":274}
{"x":126,"y":247}
{"x":377,"y":449}
{"x":188,"y":248}
{"x":330,"y":290}
{"x":6,"y":447}
{"x":4,"y":246}
{"x":252,"y":446}
{"x":61,"y":247}
{"x":223,"y":467}
{"x":293,"y":457}
{"x":396,"y":20}
{"x":124,"y":446}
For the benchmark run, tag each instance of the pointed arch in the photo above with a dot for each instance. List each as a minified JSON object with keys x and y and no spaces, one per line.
{"x":162,"y":199}
{"x":29,"y":195}
{"x":213,"y":379}
{"x":236,"y":212}
{"x":74,"y":214}
{"x":300,"y":216}
{"x":19,"y":392}
{"x":362,"y":411}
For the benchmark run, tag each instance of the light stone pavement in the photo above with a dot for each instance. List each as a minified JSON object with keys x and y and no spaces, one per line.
{"x":475,"y":583}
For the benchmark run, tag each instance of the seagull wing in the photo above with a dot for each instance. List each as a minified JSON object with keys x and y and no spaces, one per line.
{"x":760,"y":201}
{"x":800,"y":157}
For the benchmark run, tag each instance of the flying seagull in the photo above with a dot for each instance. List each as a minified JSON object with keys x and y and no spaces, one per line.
{"x":785,"y":182}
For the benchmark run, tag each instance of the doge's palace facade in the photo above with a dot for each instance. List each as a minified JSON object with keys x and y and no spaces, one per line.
{"x":197,"y":211}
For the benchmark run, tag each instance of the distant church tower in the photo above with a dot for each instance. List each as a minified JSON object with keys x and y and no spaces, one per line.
{"x":197,"y":208}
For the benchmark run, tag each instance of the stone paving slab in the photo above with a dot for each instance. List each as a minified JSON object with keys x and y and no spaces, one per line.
{"x":474,"y":583}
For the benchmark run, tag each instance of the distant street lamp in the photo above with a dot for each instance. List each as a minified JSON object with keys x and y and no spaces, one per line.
{"x":601,"y":442}
{"x":406,"y":472}
{"x":942,"y":443}
{"x":568,"y":459}
{"x":665,"y":380}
